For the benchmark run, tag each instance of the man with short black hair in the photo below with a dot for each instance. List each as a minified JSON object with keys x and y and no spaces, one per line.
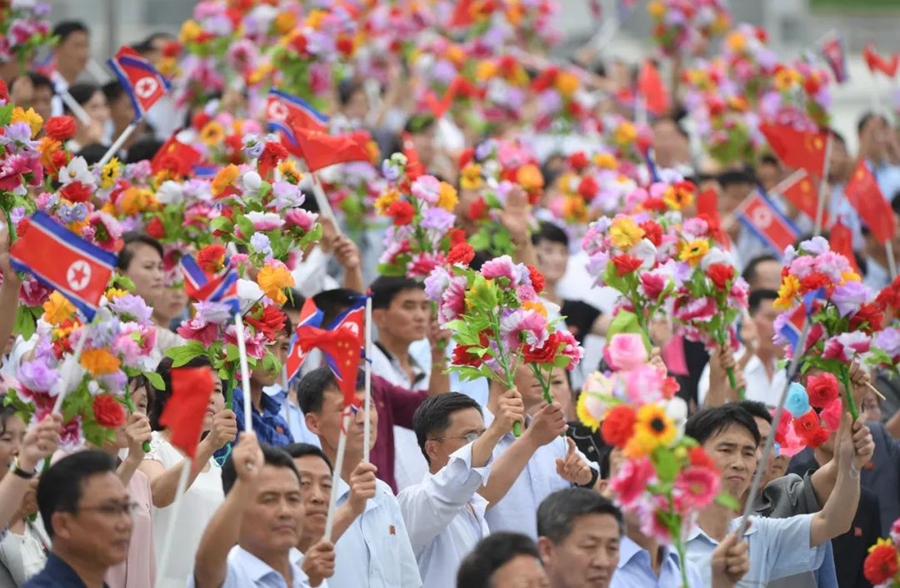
{"x":87,"y":513}
{"x":70,"y":56}
{"x":579,"y":532}
{"x":374,"y":550}
{"x":778,"y":547}
{"x":501,"y":560}
{"x":252,"y":538}
{"x":444,"y":514}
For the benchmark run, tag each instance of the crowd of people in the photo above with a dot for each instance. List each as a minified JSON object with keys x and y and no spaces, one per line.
{"x":471,"y":479}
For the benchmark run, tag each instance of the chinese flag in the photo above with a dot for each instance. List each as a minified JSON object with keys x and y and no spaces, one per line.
{"x":321,"y":150}
{"x":801,"y":191}
{"x":176,"y":156}
{"x":185,"y":410}
{"x":342,"y":350}
{"x":708,"y":210}
{"x":865,"y":196}
{"x":841,"y":241}
{"x":795,"y":148}
{"x":652,"y":88}
{"x":876,"y":62}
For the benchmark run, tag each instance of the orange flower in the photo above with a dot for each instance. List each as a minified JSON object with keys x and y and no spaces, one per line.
{"x":273,"y":279}
{"x":529,"y":177}
{"x":57,"y":309}
{"x":99,"y":362}
{"x":567,"y":83}
{"x":224,"y":178}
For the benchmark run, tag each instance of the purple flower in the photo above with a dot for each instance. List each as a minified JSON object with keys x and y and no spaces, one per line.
{"x":815,"y":246}
{"x":114,"y":383}
{"x":438,"y":219}
{"x":436,"y":283}
{"x":888,"y":341}
{"x":286,"y":195}
{"x":212,"y":312}
{"x":37,"y":376}
{"x":253,"y":147}
{"x":105,"y":331}
{"x":131,"y":308}
{"x":849,"y":297}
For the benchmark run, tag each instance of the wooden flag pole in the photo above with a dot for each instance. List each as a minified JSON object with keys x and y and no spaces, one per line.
{"x":163,"y":567}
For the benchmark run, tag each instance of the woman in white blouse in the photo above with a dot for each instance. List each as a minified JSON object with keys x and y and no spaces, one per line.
{"x":163,"y":464}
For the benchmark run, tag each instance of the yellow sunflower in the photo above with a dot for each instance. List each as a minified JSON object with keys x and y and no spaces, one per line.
{"x":110,"y":173}
{"x":694,"y":251}
{"x":652,"y":429}
{"x":212,"y":133}
{"x":32,"y":118}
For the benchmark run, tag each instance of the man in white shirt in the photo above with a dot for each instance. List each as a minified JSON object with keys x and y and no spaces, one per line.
{"x":778,"y":547}
{"x":70,"y":57}
{"x":374,"y":551}
{"x":758,"y":361}
{"x":251,"y":539}
{"x":529,"y":468}
{"x":444,"y":514}
{"x":402,"y":313}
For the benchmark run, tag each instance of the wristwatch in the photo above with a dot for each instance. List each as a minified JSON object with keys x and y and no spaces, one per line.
{"x":18,"y":471}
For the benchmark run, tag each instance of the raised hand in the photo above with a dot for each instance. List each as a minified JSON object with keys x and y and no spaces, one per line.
{"x":730,"y":562}
{"x":548,"y":424}
{"x":138,"y":432}
{"x":572,"y":468}
{"x":318,"y":562}
{"x":40,"y":442}
{"x":510,"y":409}
{"x":362,"y":486}
{"x":248,"y":457}
{"x":224,"y":429}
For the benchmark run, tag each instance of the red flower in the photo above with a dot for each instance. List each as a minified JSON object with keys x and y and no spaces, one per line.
{"x":4,"y":93}
{"x":457,"y":236}
{"x":461,"y":253}
{"x":869,"y":315}
{"x":538,"y":282}
{"x":655,"y":204}
{"x":270,"y":323}
{"x":76,"y":192}
{"x":818,"y":436}
{"x":881,"y":564}
{"x":653,"y":232}
{"x":402,"y":211}
{"x":172,"y":49}
{"x":61,"y":128}
{"x":273,"y":153}
{"x":345,"y":45}
{"x":108,"y":412}
{"x":588,"y":187}
{"x":653,"y":285}
{"x":155,"y":228}
{"x":822,"y":390}
{"x":211,"y":258}
{"x":618,"y":426}
{"x":461,"y":355}
{"x":200,"y":119}
{"x":478,"y":210}
{"x":806,"y":424}
{"x":700,"y":458}
{"x":578,"y":161}
{"x":546,"y":353}
{"x":720,"y":274}
{"x":465,"y":157}
{"x":626,"y":264}
{"x":813,"y":282}
{"x":890,"y":296}
{"x":57,"y":160}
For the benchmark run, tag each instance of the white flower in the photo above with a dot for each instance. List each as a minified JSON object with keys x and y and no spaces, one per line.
{"x":76,"y":171}
{"x":252,"y":183}
{"x":645,"y":250}
{"x":716,"y":255}
{"x":170,"y":192}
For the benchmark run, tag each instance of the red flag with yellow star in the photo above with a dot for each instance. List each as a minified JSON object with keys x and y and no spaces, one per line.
{"x":342,"y":349}
{"x":800,"y":149}
{"x":864,"y":194}
{"x":801,"y":191}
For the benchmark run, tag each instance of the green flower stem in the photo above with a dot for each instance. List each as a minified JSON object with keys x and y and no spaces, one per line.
{"x":10,"y":226}
{"x":229,"y":396}
{"x":848,"y":392}
{"x":130,"y":405}
{"x":510,"y":380}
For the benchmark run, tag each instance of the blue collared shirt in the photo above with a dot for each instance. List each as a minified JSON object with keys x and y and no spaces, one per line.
{"x":56,"y":574}
{"x":634,"y":568}
{"x":778,"y":548}
{"x":246,"y":570}
{"x":292,"y":414}
{"x":270,"y":427}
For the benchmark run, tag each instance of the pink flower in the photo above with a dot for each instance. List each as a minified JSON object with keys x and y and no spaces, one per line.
{"x":652,"y":284}
{"x":630,"y":482}
{"x":427,"y":188}
{"x":573,"y":350}
{"x":645,"y":384}
{"x":523,"y":326}
{"x":33,"y":293}
{"x":71,"y":435}
{"x":526,"y":293}
{"x":453,"y":300}
{"x":626,"y":351}
{"x":422,"y":264}
{"x":697,"y":486}
{"x":264,"y":221}
{"x":700,"y":310}
{"x":502,"y":267}
{"x":301,"y":218}
{"x":831,"y":415}
{"x":198,"y":329}
{"x":846,"y":345}
{"x":256,"y":343}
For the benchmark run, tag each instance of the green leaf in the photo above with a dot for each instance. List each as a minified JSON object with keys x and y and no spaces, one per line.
{"x":6,"y":114}
{"x":232,"y":353}
{"x":184,"y":353}
{"x":666,"y":464}
{"x":25,"y":324}
{"x":480,"y":241}
{"x":245,"y":227}
{"x":391,"y":270}
{"x":221,"y":223}
{"x":728,"y":501}
{"x":155,"y":380}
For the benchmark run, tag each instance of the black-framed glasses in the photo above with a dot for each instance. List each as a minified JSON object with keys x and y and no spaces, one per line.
{"x":113,"y":510}
{"x":469,"y":437}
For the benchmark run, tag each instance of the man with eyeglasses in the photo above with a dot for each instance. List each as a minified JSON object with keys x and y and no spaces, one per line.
{"x":444,"y":514}
{"x":87,"y":514}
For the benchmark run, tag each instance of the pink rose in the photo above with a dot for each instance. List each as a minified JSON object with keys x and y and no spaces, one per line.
{"x":831,"y":414}
{"x":630,"y":482}
{"x":626,"y":351}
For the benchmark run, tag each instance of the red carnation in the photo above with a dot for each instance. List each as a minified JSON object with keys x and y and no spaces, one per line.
{"x":813,"y":282}
{"x":210,"y":258}
{"x":817,"y":437}
{"x":461,"y":253}
{"x":720,"y":274}
{"x":108,"y":412}
{"x":465,"y":157}
{"x":270,"y":323}
{"x":457,"y":236}
{"x":626,"y":264}
{"x":155,"y":228}
{"x":869,"y":315}
{"x":653,"y":232}
{"x":76,"y":192}
{"x":60,"y":128}
{"x":402,"y":211}
{"x":822,"y":390}
{"x":478,"y":210}
{"x":618,"y":426}
{"x":588,"y":187}
{"x":538,"y":282}
{"x":461,"y":356}
{"x":881,"y":564}
{"x":4,"y":92}
{"x":171,"y":49}
{"x":578,"y":161}
{"x":273,"y":153}
{"x":200,"y":119}
{"x":546,"y":353}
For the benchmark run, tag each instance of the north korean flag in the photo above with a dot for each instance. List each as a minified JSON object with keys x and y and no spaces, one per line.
{"x":761,"y":217}
{"x":140,"y":79}
{"x":203,"y":287}
{"x":833,"y":52}
{"x":310,"y":316}
{"x":79,"y":270}
{"x":286,"y":113}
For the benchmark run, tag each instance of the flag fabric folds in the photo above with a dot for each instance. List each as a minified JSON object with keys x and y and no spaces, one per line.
{"x":801,"y":149}
{"x":59,"y":259}
{"x":186,"y":409}
{"x":200,"y":286}
{"x":144,"y":85}
{"x":864,"y":194}
{"x":759,"y":215}
{"x":801,"y":191}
